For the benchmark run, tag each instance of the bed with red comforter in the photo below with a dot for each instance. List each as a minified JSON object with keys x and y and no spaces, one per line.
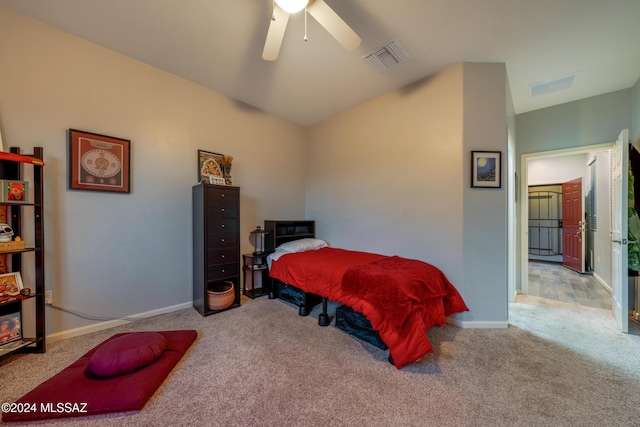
{"x":402,"y":298}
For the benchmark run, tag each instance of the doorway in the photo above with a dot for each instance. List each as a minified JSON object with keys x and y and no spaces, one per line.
{"x":600,"y":249}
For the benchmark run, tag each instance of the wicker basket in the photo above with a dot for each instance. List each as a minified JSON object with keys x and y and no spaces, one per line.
{"x":220,"y":295}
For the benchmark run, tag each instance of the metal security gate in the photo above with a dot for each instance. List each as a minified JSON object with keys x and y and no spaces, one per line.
{"x":545,"y":221}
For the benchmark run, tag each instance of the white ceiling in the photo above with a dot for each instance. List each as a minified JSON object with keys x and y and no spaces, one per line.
{"x":218,"y":44}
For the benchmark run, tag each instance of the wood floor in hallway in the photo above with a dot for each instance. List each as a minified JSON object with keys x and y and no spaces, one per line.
{"x":553,"y":281}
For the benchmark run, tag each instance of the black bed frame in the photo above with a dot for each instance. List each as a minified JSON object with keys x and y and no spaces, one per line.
{"x":282,"y":231}
{"x":353,"y":323}
{"x":304,"y":300}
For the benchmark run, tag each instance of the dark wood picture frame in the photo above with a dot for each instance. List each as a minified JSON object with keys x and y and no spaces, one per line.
{"x":486,"y":167}
{"x":99,"y":162}
{"x":211,"y":168}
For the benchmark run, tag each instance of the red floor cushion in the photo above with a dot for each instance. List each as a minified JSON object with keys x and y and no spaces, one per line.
{"x":127,"y":353}
{"x":77,"y":391}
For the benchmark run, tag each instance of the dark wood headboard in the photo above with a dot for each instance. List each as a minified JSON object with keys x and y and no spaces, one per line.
{"x":279,"y":232}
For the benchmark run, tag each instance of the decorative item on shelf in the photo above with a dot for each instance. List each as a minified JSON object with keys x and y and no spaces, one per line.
{"x":258,"y":240}
{"x":6,"y":233}
{"x":220,"y":295}
{"x":14,"y":191}
{"x":14,"y":245}
{"x":24,"y":294}
{"x":10,"y":327}
{"x":10,"y":284}
{"x":98,"y":162}
{"x":20,"y":158}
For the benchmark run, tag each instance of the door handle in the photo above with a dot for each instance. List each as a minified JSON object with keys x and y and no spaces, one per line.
{"x":621,"y":241}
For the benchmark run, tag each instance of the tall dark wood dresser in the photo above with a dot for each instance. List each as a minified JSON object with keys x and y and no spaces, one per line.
{"x":216,"y":245}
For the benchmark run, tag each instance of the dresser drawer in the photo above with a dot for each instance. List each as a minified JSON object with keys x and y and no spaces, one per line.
{"x":222,"y":226}
{"x":222,"y":237}
{"x":222,"y":210}
{"x":222,"y":255}
{"x":221,"y":271}
{"x":221,"y":195}
{"x":223,"y":241}
{"x":222,"y":203}
{"x":226,"y":193}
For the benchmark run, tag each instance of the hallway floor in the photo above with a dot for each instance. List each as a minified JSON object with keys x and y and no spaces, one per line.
{"x":555,"y":282}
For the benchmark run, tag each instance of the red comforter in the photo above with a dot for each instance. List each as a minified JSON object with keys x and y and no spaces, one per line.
{"x":402,"y":298}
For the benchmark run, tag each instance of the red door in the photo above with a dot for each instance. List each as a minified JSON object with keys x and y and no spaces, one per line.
{"x":572,"y":225}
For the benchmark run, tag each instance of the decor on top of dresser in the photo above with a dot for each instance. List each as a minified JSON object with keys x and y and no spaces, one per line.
{"x":214,"y":168}
{"x":485,"y":169}
{"x":98,"y":162}
{"x":226,"y":164}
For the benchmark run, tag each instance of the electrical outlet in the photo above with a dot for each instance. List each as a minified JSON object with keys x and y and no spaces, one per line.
{"x":48,"y":297}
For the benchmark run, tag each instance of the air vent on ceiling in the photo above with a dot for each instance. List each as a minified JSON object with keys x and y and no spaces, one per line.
{"x":387,"y":56}
{"x":548,"y":87}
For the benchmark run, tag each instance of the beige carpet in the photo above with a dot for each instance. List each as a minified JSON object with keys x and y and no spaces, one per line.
{"x":263,"y":365}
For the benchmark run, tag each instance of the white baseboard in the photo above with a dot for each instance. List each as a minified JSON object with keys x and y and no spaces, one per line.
{"x":58,"y":336}
{"x":602,"y":282}
{"x":477,"y":324}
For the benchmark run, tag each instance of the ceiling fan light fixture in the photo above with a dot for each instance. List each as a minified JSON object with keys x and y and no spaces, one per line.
{"x":292,"y":6}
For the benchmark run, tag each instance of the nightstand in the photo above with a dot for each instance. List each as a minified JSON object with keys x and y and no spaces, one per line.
{"x":255,"y":275}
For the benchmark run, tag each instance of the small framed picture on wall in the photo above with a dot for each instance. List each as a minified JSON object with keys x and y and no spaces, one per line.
{"x":485,"y":169}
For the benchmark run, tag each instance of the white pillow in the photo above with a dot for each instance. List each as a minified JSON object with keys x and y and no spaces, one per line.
{"x":302,"y":245}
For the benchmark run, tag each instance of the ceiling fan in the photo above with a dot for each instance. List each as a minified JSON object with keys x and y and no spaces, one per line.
{"x":316,"y":8}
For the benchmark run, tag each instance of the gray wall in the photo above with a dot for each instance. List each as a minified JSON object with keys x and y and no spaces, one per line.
{"x":375,"y":170}
{"x":594,"y":120}
{"x":485,"y":210}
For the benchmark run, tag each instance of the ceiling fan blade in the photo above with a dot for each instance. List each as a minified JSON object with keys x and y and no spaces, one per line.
{"x":275,"y":34}
{"x":334,"y":25}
